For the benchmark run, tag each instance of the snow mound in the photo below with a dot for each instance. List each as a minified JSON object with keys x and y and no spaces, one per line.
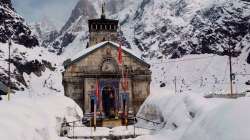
{"x":192,"y":117}
{"x":39,"y":118}
{"x":175,"y":110}
{"x":230,"y":121}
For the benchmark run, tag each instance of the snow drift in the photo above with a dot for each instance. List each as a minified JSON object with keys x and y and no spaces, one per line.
{"x":192,"y":117}
{"x":36,"y":118}
{"x":230,"y":121}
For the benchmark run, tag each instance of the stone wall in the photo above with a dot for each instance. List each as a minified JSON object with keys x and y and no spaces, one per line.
{"x":90,"y":82}
{"x":141,"y":90}
{"x":98,"y":37}
{"x":74,"y":89}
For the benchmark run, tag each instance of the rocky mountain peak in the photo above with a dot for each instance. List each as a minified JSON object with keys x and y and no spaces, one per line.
{"x":84,"y":9}
{"x":76,"y":23}
{"x":13,"y":26}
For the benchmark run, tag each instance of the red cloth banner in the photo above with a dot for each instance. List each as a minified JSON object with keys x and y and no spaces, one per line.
{"x":125,"y":81}
{"x":120,"y":54}
{"x":97,"y":91}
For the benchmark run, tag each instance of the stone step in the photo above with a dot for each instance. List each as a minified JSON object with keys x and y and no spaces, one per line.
{"x":112,"y":123}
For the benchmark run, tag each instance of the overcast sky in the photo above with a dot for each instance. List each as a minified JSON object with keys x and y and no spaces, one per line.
{"x":57,"y":11}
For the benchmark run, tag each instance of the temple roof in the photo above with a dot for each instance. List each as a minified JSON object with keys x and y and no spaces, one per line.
{"x":91,"y":49}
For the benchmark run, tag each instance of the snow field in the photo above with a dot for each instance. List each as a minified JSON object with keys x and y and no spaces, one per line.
{"x":36,"y":118}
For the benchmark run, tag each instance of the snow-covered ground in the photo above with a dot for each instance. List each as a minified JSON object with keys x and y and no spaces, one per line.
{"x":201,"y":74}
{"x":186,"y":117}
{"x":35,"y":118}
{"x":39,"y":117}
{"x":192,"y":117}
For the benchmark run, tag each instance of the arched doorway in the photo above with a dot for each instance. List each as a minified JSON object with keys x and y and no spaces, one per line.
{"x":108,"y":101}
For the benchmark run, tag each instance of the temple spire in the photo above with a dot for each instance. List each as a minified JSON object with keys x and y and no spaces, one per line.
{"x":103,"y":10}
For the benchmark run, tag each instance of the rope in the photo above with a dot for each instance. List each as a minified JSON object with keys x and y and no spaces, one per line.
{"x":183,"y":60}
{"x":146,"y":128}
{"x":148,"y":120}
{"x":241,"y":74}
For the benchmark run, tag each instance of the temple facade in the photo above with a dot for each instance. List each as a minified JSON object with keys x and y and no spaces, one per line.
{"x":96,"y":76}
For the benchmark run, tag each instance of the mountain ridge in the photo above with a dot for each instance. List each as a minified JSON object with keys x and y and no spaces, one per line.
{"x":187,"y":28}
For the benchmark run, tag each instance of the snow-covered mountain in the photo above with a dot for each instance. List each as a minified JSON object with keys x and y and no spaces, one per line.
{"x":31,"y":66}
{"x":75,"y":29}
{"x":178,"y":27}
{"x":168,"y":28}
{"x":46,"y":31}
{"x":76,"y":23}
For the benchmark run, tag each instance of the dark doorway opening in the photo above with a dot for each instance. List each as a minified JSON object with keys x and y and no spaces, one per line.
{"x":108,"y":101}
{"x":92,"y":103}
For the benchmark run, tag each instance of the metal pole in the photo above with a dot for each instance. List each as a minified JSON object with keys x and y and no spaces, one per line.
{"x":134,"y":125}
{"x":231,"y":69}
{"x":175,"y":85}
{"x":95,"y":116}
{"x":73,"y":130}
{"x":126,"y":115}
{"x":9,"y":82}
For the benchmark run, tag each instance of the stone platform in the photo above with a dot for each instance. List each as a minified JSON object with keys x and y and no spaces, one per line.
{"x":110,"y":123}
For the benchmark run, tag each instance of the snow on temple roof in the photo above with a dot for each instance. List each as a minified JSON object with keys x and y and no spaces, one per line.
{"x":86,"y":51}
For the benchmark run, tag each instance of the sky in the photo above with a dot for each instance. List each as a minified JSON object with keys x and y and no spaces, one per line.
{"x":57,"y":11}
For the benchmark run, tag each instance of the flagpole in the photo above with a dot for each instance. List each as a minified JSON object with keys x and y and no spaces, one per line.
{"x":120,"y":62}
{"x":9,"y":82}
{"x":124,"y":85}
{"x":126,"y":114}
{"x":95,"y":105}
{"x":95,"y":116}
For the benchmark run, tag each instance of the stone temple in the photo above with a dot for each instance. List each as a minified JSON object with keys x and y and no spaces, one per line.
{"x":95,"y":75}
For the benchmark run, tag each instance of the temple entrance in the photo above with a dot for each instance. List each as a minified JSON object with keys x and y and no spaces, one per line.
{"x":92,"y":104}
{"x":108,"y":101}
